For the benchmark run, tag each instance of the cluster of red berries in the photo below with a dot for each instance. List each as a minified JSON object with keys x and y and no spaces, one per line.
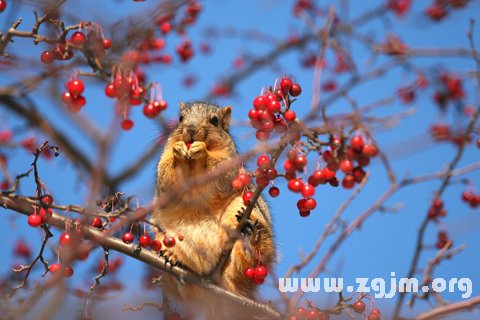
{"x":443,"y":132}
{"x":400,"y":7}
{"x":73,"y":96}
{"x":256,"y":275}
{"x":268,"y":115}
{"x":450,"y":88}
{"x":146,"y":241}
{"x":313,"y":313}
{"x":44,"y":213}
{"x":156,"y":104}
{"x":22,"y":249}
{"x":471,"y":198}
{"x":127,"y":88}
{"x":241,"y":181}
{"x":94,"y":41}
{"x":439,"y":8}
{"x":436,"y":209}
{"x":57,"y":268}
{"x":301,"y":6}
{"x":443,"y":239}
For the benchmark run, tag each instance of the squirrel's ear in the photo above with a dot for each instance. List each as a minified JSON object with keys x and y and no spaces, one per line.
{"x":226,"y":116}
{"x":182,"y":106}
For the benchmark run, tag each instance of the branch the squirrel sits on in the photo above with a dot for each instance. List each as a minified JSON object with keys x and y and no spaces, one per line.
{"x":206,"y":216}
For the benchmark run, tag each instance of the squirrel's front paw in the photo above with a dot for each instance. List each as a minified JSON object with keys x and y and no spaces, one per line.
{"x":250,"y":226}
{"x":197,"y":150}
{"x":180,"y":150}
{"x":170,"y":257}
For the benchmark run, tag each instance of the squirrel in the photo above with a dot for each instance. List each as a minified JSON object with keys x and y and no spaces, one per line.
{"x":206,"y":215}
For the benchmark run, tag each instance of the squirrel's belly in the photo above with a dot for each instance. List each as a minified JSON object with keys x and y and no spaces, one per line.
{"x":201,"y":245}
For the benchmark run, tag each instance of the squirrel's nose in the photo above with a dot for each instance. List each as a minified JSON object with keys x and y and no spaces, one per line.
{"x":191,"y":131}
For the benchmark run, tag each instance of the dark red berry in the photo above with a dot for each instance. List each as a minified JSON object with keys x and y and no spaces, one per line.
{"x":263,"y":162}
{"x":296,"y":90}
{"x":68,"y":272}
{"x":47,"y":200}
{"x":274,"y":192}
{"x":286,"y":84}
{"x":169,"y":242}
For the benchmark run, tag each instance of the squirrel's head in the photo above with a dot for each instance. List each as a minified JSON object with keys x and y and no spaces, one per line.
{"x":201,"y":121}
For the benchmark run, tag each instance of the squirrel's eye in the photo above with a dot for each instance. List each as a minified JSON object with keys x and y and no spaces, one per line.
{"x":214,"y":121}
{"x":180,"y":119}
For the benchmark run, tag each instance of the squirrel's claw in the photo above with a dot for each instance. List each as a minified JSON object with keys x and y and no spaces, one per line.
{"x":250,"y":226}
{"x":180,"y":150}
{"x":197,"y":150}
{"x":170,"y":257}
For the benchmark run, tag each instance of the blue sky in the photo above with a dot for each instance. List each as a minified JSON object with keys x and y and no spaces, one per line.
{"x":385,"y":243}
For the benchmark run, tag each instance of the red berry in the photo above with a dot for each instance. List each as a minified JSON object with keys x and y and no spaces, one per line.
{"x":45,"y":214}
{"x":260,"y":103}
{"x":247,"y":196}
{"x":308,"y":190}
{"x":78,"y":38}
{"x":3,"y":5}
{"x":262,"y":135}
{"x":346,"y":166}
{"x":75,"y":87}
{"x":244,"y":179}
{"x":328,"y":174}
{"x":312,"y":314}
{"x":145,"y":241}
{"x":260,"y":272}
{"x":328,"y":156}
{"x":34,"y":220}
{"x":111,"y":90}
{"x":237,"y":184}
{"x":96,"y":223}
{"x":65,"y":239}
{"x":310,"y":204}
{"x":47,"y":200}
{"x":273,"y":106}
{"x":296,"y":90}
{"x":107,"y":43}
{"x":128,"y":237}
{"x":249,"y":273}
{"x":359,"y":306}
{"x":295,"y":185}
{"x":47,"y":57}
{"x":169,"y":242}
{"x":286,"y":84}
{"x":156,"y":245}
{"x":357,"y":143}
{"x":301,"y":312}
{"x":263,"y":162}
{"x":290,"y":115}
{"x":348,"y":182}
{"x":151,"y":110}
{"x":369,"y":150}
{"x":274,"y":192}
{"x":55,"y":268}
{"x":300,"y":162}
{"x":67,"y":272}
{"x":127,"y":124}
{"x":374,"y":315}
{"x":258,"y":281}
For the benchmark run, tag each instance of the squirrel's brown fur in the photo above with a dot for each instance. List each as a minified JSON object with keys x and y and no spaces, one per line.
{"x":205,"y":215}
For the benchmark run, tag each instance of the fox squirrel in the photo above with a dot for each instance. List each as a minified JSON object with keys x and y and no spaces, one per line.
{"x":206,"y":215}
